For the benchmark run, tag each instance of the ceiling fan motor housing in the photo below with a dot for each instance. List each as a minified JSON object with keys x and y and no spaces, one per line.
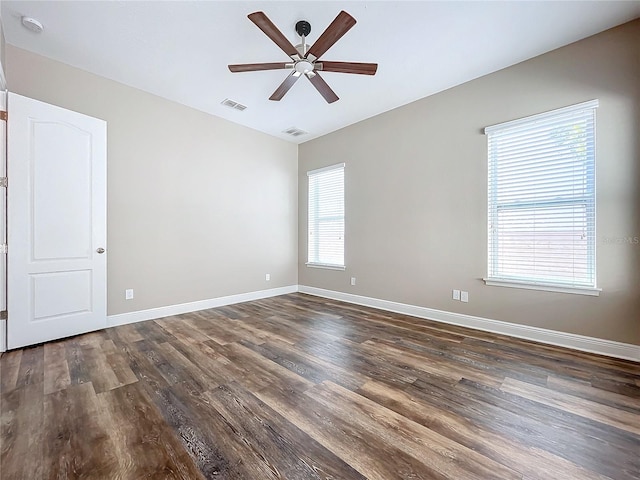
{"x":303,"y":28}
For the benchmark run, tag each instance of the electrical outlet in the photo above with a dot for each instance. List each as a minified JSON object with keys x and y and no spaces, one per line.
{"x":353,"y":280}
{"x":464,"y":296}
{"x":456,"y":294}
{"x":128,"y":294}
{"x":267,"y":277}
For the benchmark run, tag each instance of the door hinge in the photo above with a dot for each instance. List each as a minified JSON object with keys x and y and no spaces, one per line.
{"x":3,"y":248}
{"x":3,"y":115}
{"x":3,"y":182}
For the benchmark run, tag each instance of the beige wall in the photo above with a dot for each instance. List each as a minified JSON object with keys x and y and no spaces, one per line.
{"x":198,"y":207}
{"x":416,"y":191}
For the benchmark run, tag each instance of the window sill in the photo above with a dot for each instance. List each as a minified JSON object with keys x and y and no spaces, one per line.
{"x":594,"y":292}
{"x":326,"y":266}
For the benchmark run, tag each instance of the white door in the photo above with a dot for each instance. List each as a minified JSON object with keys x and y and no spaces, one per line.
{"x":56,"y":222}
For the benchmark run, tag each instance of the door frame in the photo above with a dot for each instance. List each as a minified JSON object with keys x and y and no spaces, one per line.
{"x":3,"y":214}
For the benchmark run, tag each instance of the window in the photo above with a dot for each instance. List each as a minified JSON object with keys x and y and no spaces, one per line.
{"x":326,"y":217}
{"x":542,"y":201}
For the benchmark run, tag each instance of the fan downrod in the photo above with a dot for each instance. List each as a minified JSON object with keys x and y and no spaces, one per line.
{"x":303,"y":28}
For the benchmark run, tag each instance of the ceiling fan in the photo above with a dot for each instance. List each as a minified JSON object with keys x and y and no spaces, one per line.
{"x":306,"y":61}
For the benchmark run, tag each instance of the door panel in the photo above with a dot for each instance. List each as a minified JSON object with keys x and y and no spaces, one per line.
{"x":66,"y":235}
{"x":56,"y":222}
{"x":59,"y":294}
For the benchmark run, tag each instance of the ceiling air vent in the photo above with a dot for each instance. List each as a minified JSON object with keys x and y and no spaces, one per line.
{"x":235,"y":105}
{"x":294,"y":132}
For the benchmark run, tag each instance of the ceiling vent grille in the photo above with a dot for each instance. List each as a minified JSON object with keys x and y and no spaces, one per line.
{"x":235,"y":105}
{"x":294,"y":132}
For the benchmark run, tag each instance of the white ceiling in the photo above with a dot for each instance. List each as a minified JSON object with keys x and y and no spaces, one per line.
{"x":180,"y":49}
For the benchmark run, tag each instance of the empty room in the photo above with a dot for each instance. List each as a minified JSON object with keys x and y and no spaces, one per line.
{"x":305,"y":240}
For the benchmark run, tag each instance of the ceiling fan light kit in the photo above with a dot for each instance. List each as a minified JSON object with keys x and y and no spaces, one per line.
{"x":305,"y":60}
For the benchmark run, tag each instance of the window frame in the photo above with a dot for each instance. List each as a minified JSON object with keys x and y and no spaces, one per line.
{"x":310,"y":243}
{"x":586,"y":201}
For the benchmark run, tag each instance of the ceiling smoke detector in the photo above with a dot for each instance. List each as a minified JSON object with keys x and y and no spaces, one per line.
{"x":32,"y":24}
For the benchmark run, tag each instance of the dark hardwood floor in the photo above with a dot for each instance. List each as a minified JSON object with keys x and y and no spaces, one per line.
{"x":299,"y":387}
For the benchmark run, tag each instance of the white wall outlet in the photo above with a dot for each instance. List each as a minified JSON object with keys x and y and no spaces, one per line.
{"x":464,"y":296}
{"x":353,"y":280}
{"x":128,"y":294}
{"x":456,"y":294}
{"x":267,"y":277}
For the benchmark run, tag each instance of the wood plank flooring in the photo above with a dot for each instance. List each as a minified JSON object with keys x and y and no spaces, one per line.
{"x":299,"y":387}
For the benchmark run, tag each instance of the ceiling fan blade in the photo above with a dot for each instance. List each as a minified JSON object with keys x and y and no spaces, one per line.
{"x":340,"y":25}
{"x":324,"y":89}
{"x":348,"y":67}
{"x":253,"y":67}
{"x":271,"y":31}
{"x":285,"y":86}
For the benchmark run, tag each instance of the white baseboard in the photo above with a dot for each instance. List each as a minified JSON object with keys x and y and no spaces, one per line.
{"x":3,"y":336}
{"x":153,"y":313}
{"x":577,"y":342}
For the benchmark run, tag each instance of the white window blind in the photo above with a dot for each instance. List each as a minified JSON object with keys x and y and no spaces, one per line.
{"x":542,"y":199}
{"x":326,"y":216}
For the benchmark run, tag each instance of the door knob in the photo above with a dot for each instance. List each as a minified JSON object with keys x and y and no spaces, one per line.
{"x":100,"y":250}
